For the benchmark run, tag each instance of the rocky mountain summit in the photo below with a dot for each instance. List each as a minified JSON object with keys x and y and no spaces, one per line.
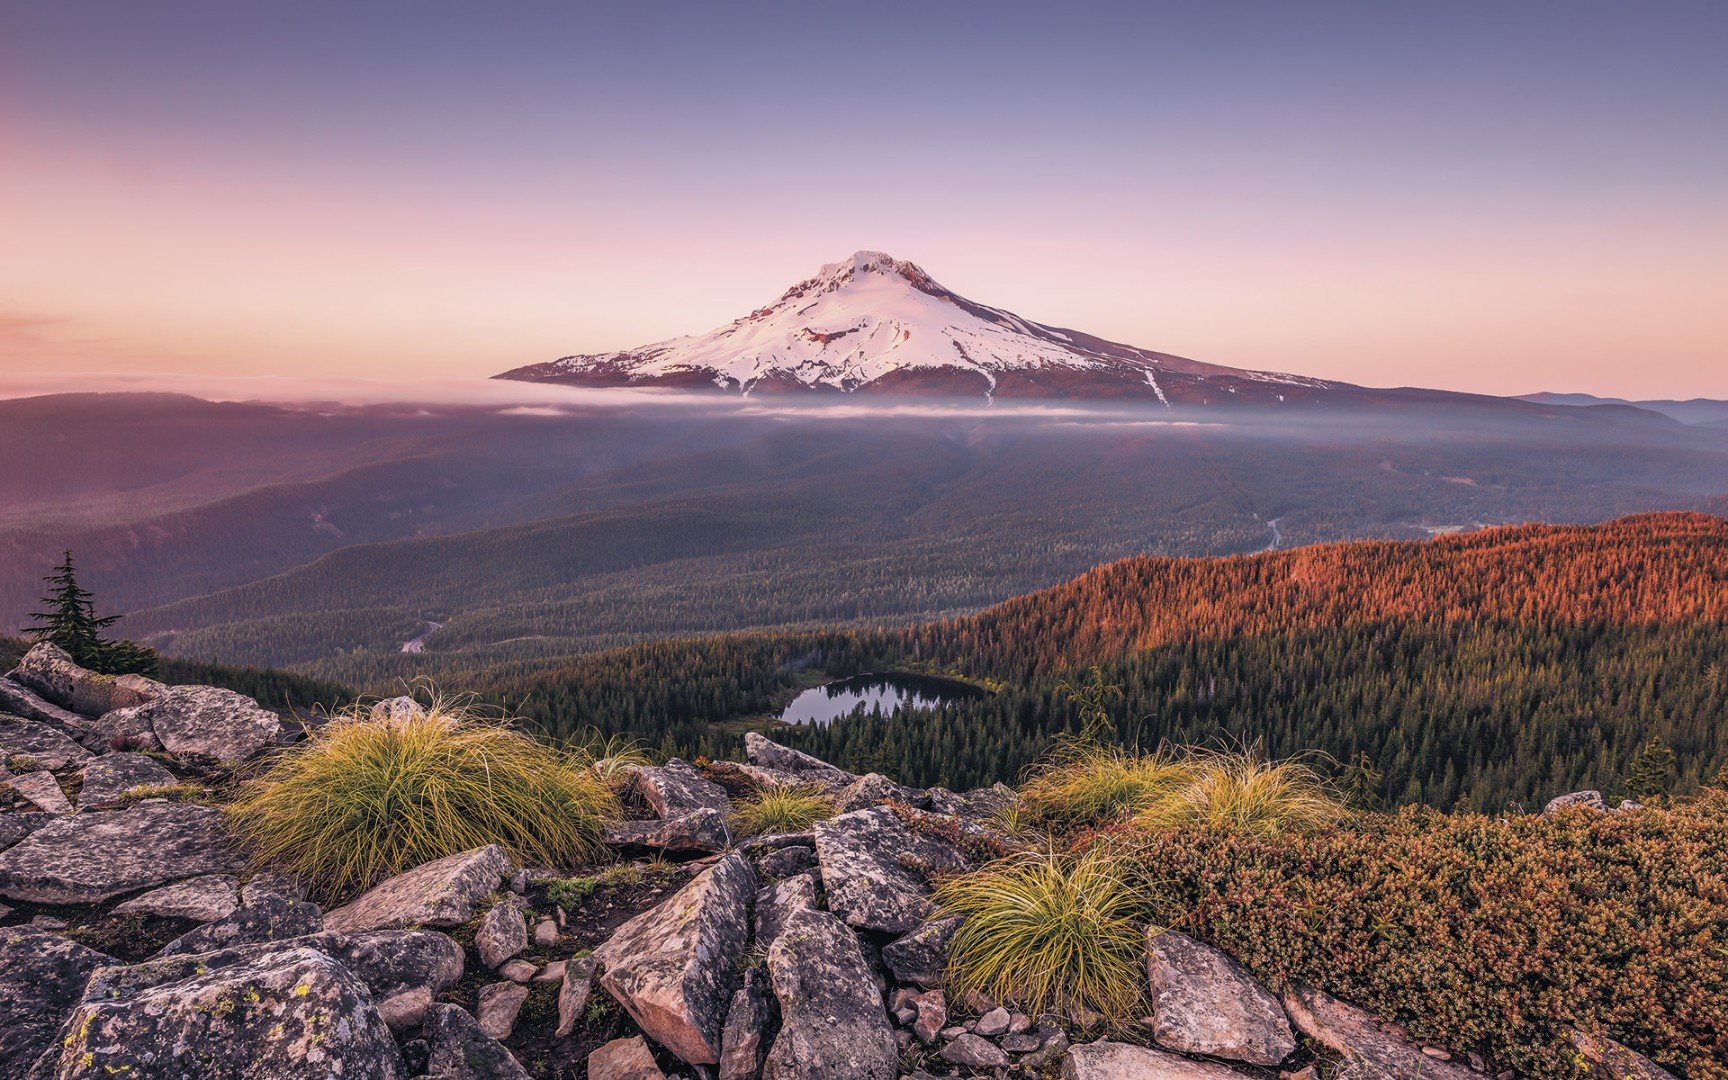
{"x":137,"y":941}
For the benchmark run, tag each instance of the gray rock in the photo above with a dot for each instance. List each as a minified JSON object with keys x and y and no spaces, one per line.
{"x":776,"y":903}
{"x":1023,"y":1043}
{"x":676,"y":788}
{"x":551,"y":973}
{"x":440,"y":893}
{"x":128,"y":727}
{"x":397,"y":710}
{"x":287,"y":1016}
{"x":502,"y":934}
{"x":20,"y":700}
{"x":1204,"y":1002}
{"x":545,"y":934}
{"x":623,"y":1059}
{"x":874,"y":789}
{"x":1589,"y":800}
{"x":497,"y":1007}
{"x":268,"y":918}
{"x":203,"y":899}
{"x":752,"y":1016}
{"x":107,"y":778}
{"x":983,"y":804}
{"x":42,"y":976}
{"x":50,"y":672}
{"x":44,"y":745}
{"x":930,"y":1014}
{"x":1613,"y":1060}
{"x":1104,"y":1060}
{"x":994,"y":1022}
{"x":864,"y":857}
{"x":832,"y":1024}
{"x":42,"y":791}
{"x":89,"y":858}
{"x":208,"y":720}
{"x":1358,"y":1037}
{"x":764,"y":753}
{"x":702,"y":830}
{"x":786,"y":861}
{"x":517,"y":971}
{"x":573,"y":993}
{"x":15,"y":827}
{"x":273,"y":883}
{"x":674,"y":968}
{"x":920,"y":956}
{"x":457,"y":1048}
{"x":975,"y":1052}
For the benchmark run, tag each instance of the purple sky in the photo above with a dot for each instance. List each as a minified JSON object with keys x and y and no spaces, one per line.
{"x":1486,"y":196}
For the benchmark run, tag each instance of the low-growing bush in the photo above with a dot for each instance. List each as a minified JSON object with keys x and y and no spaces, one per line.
{"x":1090,"y":785}
{"x":1479,"y":933}
{"x":362,"y":800}
{"x":1050,"y":932}
{"x":781,"y":809}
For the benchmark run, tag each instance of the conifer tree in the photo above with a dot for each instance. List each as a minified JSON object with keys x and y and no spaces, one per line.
{"x":1653,"y":771}
{"x":71,"y":623}
{"x":1361,"y":784}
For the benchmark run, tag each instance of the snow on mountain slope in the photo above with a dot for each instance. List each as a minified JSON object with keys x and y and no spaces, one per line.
{"x":872,"y":322}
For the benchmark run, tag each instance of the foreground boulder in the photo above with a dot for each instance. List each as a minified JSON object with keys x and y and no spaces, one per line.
{"x":1355,"y":1034}
{"x":676,"y":788}
{"x":267,"y":918}
{"x":107,"y":778}
{"x":222,"y":724}
{"x":767,"y":762}
{"x":674,"y":968}
{"x":832,"y":1024}
{"x":440,"y":893}
{"x":49,"y":671}
{"x":1103,"y":1060}
{"x":203,"y":899}
{"x":461,"y":1051}
{"x":1204,"y":1002}
{"x":874,"y":789}
{"x":44,"y":745}
{"x":89,"y":858}
{"x":20,"y":700}
{"x":864,"y":856}
{"x":42,"y":976}
{"x":920,"y":956}
{"x":701,"y":830}
{"x":298,"y":1014}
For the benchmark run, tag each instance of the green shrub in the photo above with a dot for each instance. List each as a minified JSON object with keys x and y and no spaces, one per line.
{"x":1481,"y":933}
{"x":361,"y":800}
{"x":1049,"y":932}
{"x":781,"y":809}
{"x":1086,"y":786}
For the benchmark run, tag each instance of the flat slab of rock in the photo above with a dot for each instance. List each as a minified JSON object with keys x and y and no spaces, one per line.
{"x":783,"y":763}
{"x":268,"y":918}
{"x":573,"y":993}
{"x":42,"y":791}
{"x":440,"y":893}
{"x":1104,"y":1060}
{"x":864,"y":855}
{"x":42,"y":744}
{"x":702,"y":830}
{"x":676,"y":788}
{"x":50,"y":672}
{"x":204,"y":899}
{"x":20,"y":700}
{"x":674,"y":968}
{"x":295,"y":1014}
{"x":624,"y":1059}
{"x":832,"y":1024}
{"x":42,"y":976}
{"x":107,"y":778}
{"x":1358,"y":1036}
{"x":15,"y":827}
{"x":227,"y":726}
{"x":461,"y":1051}
{"x":89,"y":858}
{"x":1615,"y":1061}
{"x":1204,"y":1002}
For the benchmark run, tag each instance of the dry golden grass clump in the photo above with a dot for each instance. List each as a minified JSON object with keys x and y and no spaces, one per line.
{"x":362,"y":800}
{"x":780,"y":809}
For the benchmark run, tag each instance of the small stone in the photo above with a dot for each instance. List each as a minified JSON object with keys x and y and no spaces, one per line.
{"x":1436,"y":1053}
{"x":975,"y":1052}
{"x":502,"y":934}
{"x":551,"y":973}
{"x":624,"y":1059}
{"x":1020,"y":1044}
{"x":931,"y":1008}
{"x":952,"y":1032}
{"x":42,"y":791}
{"x":1477,"y":1062}
{"x":460,"y":1050}
{"x":1589,"y":800}
{"x":573,"y":994}
{"x":498,"y":1005}
{"x":1019,"y":1022}
{"x":993,"y":1023}
{"x":545,"y":933}
{"x":974,"y":1002}
{"x":904,"y":1016}
{"x":519,"y":971}
{"x":107,"y":778}
{"x":1306,"y":1072}
{"x":48,"y":922}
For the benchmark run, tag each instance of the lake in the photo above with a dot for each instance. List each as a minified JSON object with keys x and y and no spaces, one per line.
{"x":883,"y":693}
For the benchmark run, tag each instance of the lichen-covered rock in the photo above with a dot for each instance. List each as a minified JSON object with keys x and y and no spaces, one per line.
{"x":573,"y":993}
{"x":874,"y":789}
{"x":1103,"y":1060}
{"x":1355,"y":1034}
{"x":502,"y":934}
{"x":89,"y":858}
{"x":1589,"y":800}
{"x":397,"y":710}
{"x":676,"y":788}
{"x":974,"y":1052}
{"x":42,"y":976}
{"x":865,"y":856}
{"x":776,"y":903}
{"x":297,"y":1014}
{"x":920,"y":956}
{"x":674,"y":968}
{"x":983,"y":804}
{"x":42,"y":791}
{"x":15,"y":827}
{"x":1612,"y":1060}
{"x":752,"y":1015}
{"x":1204,"y":1002}
{"x":44,"y":745}
{"x":20,"y":700}
{"x":273,"y":883}
{"x":227,"y":726}
{"x":832,"y":1024}
{"x":105,"y":779}
{"x":460,"y":1050}
{"x":931,"y":1014}
{"x":497,"y":1006}
{"x":702,"y":830}
{"x":440,"y":893}
{"x":268,"y":918}
{"x":782,"y":764}
{"x":116,"y":728}
{"x":623,"y":1059}
{"x":50,"y":672}
{"x":785,"y":861}
{"x":204,"y":899}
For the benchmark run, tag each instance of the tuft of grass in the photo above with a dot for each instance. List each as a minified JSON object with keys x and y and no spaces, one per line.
{"x":1240,"y":791}
{"x":1058,"y":933}
{"x":790,"y":808}
{"x":360,"y":801}
{"x":183,"y":792}
{"x":1087,"y":786}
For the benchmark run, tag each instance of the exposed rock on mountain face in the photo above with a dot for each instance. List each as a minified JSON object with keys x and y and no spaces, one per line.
{"x":878,"y":324}
{"x":88,"y":858}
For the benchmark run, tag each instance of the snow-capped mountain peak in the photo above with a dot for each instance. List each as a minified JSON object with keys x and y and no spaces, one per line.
{"x":874,"y":322}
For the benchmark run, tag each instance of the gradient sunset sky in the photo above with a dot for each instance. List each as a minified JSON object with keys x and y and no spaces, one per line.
{"x":1503,"y":197}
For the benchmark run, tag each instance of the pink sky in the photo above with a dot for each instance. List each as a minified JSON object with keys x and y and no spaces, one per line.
{"x":1504,"y":235}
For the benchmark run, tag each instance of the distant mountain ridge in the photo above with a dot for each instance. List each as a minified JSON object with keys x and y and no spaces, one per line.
{"x":1690,"y":411}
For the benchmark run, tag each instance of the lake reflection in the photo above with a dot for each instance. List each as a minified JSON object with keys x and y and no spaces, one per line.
{"x":876,"y":693}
